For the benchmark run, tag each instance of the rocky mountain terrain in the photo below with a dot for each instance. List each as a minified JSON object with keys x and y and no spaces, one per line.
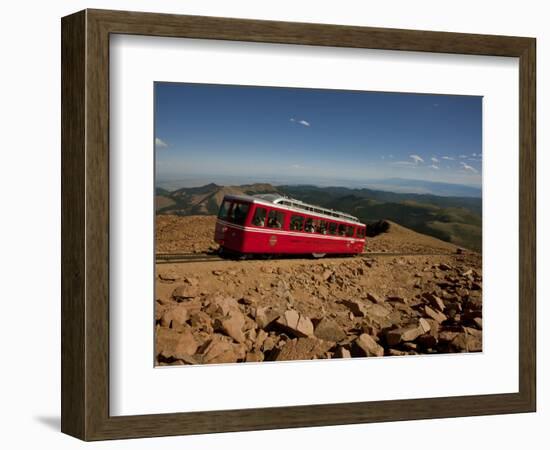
{"x":195,"y":234}
{"x":291,"y":309}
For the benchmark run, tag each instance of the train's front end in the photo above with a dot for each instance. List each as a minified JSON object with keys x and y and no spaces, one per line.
{"x":230,"y":224}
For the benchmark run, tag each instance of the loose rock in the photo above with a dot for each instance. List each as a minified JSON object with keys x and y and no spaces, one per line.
{"x":303,"y":348}
{"x":295,"y":323}
{"x":369,"y":346}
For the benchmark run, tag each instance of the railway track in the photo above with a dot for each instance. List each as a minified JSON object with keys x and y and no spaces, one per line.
{"x":180,"y":258}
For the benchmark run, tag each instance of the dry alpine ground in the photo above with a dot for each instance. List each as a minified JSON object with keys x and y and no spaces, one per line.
{"x":285,"y":309}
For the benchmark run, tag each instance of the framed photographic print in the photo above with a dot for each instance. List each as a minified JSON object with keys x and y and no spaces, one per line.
{"x":259,"y":217}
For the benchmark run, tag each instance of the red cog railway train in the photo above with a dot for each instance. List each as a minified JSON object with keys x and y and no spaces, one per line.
{"x":273,"y":224}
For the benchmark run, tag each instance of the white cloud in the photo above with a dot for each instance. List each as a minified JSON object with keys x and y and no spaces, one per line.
{"x":434,"y":159}
{"x":390,"y":156}
{"x":474,"y":154}
{"x":303,"y":122}
{"x":462,"y":156}
{"x":403,"y":163}
{"x":159,"y":143}
{"x":448,"y":158}
{"x":433,"y":166}
{"x":468,"y":167}
{"x":416,"y":158}
{"x":296,"y":166}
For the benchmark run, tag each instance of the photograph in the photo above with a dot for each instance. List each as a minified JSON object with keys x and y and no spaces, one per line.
{"x":296,"y":223}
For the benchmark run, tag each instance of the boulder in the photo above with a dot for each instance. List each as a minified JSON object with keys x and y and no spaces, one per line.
{"x":374,"y":298}
{"x":369,"y":346}
{"x":201,"y":321}
{"x":168,"y":276}
{"x":269,"y":343}
{"x":173,"y":344}
{"x":410,"y":333}
{"x":223,"y":306}
{"x":295,"y":323}
{"x":434,"y":301}
{"x":342,"y":352}
{"x":424,"y":324}
{"x":397,"y":298}
{"x":329,"y":330}
{"x":465,"y":342}
{"x":255,"y":356}
{"x":185,"y":292}
{"x":302,"y":349}
{"x":435,"y":315}
{"x":473,"y":332}
{"x":447,"y":335}
{"x":231,"y":325}
{"x":175,"y":316}
{"x":358,"y":308}
{"x":266,"y":315}
{"x":219,"y":351}
{"x":378,"y":311}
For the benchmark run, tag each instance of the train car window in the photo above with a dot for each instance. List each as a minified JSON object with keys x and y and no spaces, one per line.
{"x":349,"y":231}
{"x":311,"y":224}
{"x":224,"y":209}
{"x":332,"y":228}
{"x":296,"y":223}
{"x":341,"y":230}
{"x":259,"y":217}
{"x":360,"y":232}
{"x":275,"y":219}
{"x":238,"y":213}
{"x":322,"y":228}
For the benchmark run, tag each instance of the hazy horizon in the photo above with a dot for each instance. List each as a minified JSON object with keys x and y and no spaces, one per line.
{"x":396,"y":185}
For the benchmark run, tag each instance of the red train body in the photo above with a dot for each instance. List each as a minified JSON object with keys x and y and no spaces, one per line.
{"x":272,"y":224}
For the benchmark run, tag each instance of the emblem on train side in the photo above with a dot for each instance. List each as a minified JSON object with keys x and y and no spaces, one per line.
{"x":272,"y":240}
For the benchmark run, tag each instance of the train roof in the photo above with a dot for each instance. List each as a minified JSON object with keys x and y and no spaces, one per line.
{"x":294,"y":205}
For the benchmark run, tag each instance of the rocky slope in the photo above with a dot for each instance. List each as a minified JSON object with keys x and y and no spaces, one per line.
{"x":195,"y":234}
{"x":251,"y":311}
{"x":190,"y":234}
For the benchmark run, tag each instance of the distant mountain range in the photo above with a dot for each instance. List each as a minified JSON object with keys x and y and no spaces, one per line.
{"x":403,"y":185}
{"x":398,"y":185}
{"x":455,"y":219}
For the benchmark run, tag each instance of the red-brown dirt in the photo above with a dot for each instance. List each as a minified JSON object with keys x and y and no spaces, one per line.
{"x":230,"y":311}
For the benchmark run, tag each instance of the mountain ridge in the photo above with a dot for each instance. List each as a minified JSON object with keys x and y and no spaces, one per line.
{"x":451,"y":219}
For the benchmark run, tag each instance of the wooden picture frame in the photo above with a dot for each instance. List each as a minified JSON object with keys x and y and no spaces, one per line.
{"x":85,"y":224}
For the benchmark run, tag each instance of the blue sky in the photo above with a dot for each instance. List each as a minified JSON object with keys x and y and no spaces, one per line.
{"x":216,"y":133}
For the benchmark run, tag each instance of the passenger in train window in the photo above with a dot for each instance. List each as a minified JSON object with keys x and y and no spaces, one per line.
{"x":296,"y":223}
{"x":349,"y":231}
{"x":259,"y":217}
{"x":322,"y":228}
{"x":309,"y":225}
{"x":275,"y":219}
{"x":332,"y":228}
{"x":341,"y":230}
